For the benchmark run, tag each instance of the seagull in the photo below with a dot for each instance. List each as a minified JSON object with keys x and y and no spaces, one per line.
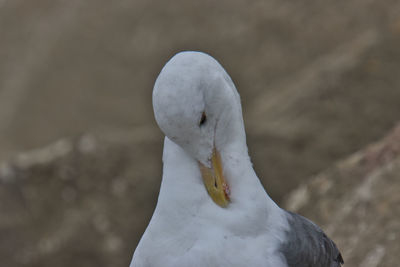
{"x":212,"y":209}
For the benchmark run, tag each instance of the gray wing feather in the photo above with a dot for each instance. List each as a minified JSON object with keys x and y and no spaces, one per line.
{"x":308,"y":246}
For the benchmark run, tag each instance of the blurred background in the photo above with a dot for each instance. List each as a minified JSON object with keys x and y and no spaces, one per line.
{"x":80,"y":151}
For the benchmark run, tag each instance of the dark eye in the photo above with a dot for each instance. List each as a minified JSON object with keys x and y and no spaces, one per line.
{"x":203,"y":119}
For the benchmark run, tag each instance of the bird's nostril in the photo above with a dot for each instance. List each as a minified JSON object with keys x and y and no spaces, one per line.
{"x":203,"y":119}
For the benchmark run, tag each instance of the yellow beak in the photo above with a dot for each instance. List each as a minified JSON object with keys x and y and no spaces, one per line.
{"x":214,"y":180}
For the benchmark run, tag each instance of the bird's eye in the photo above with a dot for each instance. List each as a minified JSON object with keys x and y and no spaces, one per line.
{"x":203,"y":119}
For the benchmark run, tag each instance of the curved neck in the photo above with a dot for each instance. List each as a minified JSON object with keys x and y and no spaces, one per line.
{"x":183,"y":191}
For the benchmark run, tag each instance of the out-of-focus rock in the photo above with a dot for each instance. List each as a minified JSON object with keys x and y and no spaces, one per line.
{"x":357,"y":202}
{"x":88,"y":200}
{"x":309,"y":74}
{"x":81,"y":202}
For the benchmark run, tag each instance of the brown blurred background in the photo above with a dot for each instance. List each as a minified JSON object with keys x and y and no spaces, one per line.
{"x":81,"y":152}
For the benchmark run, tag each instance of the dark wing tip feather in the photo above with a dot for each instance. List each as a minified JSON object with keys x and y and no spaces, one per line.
{"x":339,"y":258}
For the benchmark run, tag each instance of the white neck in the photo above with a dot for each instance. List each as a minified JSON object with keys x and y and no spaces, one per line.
{"x":186,"y":215}
{"x":183,"y":194}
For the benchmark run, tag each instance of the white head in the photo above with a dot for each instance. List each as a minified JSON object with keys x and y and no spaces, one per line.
{"x":197,"y":106}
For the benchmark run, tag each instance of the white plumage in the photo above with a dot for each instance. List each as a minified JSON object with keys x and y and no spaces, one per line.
{"x":198,"y":108}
